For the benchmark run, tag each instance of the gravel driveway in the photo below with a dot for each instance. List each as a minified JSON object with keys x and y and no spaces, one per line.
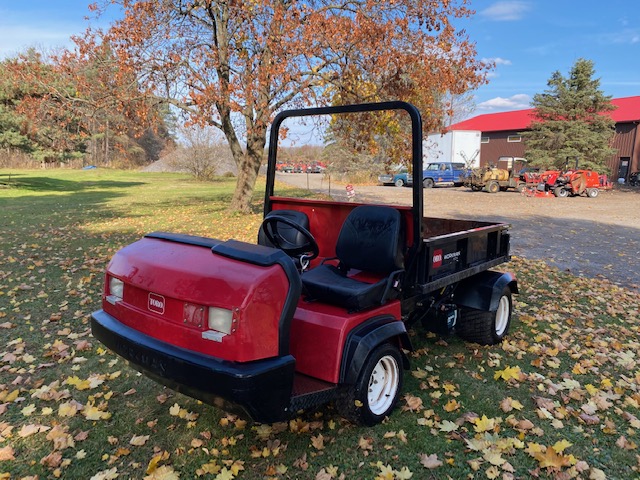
{"x":593,"y":237}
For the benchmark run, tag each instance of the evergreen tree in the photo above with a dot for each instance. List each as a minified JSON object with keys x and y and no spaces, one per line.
{"x":571,"y":122}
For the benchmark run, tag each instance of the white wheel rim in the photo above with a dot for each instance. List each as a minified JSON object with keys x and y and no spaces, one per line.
{"x":383,"y":385}
{"x":502,"y":316}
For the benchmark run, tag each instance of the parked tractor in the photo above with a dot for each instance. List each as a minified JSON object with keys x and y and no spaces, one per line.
{"x":318,"y":309}
{"x":573,"y":183}
{"x":493,"y":178}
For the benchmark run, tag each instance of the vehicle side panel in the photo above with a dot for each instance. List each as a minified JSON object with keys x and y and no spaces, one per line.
{"x":319,"y":333}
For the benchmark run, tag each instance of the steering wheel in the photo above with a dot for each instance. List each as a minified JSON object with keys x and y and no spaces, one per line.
{"x":270,"y":228}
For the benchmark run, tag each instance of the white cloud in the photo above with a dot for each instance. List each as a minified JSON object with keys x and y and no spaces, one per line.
{"x":506,"y":11}
{"x":497,"y":61}
{"x":499,"y":104}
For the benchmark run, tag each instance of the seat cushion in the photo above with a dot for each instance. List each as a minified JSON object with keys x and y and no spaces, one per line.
{"x":328,"y":284}
{"x":371,"y":240}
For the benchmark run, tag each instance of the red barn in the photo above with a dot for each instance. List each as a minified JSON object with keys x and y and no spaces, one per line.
{"x":501,"y":135}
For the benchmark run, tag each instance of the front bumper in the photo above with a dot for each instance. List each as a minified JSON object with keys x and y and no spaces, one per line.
{"x":260,"y":389}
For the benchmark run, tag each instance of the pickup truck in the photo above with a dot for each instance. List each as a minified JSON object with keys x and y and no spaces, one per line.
{"x":318,"y":310}
{"x":443,"y":174}
{"x":401,"y":178}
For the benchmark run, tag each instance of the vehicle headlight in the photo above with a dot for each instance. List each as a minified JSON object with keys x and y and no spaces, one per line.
{"x":116,"y":287}
{"x":220,"y":319}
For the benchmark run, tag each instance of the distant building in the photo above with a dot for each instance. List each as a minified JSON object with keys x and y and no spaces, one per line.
{"x":501,"y":135}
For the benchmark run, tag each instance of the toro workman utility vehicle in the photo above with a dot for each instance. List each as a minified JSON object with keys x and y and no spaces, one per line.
{"x":318,"y":309}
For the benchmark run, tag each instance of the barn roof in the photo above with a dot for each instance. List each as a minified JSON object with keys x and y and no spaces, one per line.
{"x":628,"y":111}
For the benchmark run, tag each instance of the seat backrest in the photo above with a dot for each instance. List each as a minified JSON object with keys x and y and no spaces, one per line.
{"x":372,"y":239}
{"x":289,"y":234}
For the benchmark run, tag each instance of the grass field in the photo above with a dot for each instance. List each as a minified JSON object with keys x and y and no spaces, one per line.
{"x":559,"y":399}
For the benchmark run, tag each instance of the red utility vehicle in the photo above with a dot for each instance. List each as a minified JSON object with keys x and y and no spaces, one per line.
{"x":572,"y":183}
{"x":318,"y":310}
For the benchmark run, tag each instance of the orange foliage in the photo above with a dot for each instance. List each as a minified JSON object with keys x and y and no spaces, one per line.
{"x":234,"y":64}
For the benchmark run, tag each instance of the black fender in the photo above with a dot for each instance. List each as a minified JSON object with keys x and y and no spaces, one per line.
{"x":365,"y":337}
{"x":482,"y":291}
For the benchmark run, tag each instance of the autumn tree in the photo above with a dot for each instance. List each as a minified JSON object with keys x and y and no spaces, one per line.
{"x":233,"y":64}
{"x":64,"y":105}
{"x":571,"y":122}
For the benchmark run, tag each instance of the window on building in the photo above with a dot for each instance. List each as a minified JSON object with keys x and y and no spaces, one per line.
{"x":484,"y":139}
{"x":514,"y":138}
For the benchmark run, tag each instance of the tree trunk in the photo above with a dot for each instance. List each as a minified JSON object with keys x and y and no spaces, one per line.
{"x":248,"y":168}
{"x":247,"y":175}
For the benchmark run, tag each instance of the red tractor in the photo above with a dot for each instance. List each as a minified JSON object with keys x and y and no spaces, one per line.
{"x":317,"y":310}
{"x":573,"y":183}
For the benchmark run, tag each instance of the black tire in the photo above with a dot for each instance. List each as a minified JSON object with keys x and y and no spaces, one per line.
{"x":476,"y":188}
{"x":561,"y":192}
{"x":428,"y":183}
{"x":399,"y":183}
{"x":521,"y":187}
{"x":493,"y":187}
{"x":487,"y":328}
{"x":377,"y":389}
{"x":592,"y":192}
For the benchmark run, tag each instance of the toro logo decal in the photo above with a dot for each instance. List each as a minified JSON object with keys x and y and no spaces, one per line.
{"x":156,"y":303}
{"x":437,"y":258}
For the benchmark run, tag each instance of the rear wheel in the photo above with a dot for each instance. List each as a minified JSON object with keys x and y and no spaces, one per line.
{"x":376,"y":391}
{"x":399,"y":183}
{"x":487,"y":328}
{"x":592,"y":192}
{"x":428,"y":183}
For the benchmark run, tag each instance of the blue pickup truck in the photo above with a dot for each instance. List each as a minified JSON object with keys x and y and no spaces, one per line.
{"x":443,"y":174}
{"x":400,"y":178}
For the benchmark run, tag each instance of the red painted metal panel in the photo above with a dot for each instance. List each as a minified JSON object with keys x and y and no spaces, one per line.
{"x":319,"y":332}
{"x":326,"y":219}
{"x":182,"y":277}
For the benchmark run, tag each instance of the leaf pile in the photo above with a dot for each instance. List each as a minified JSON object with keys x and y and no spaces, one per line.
{"x":559,"y":399}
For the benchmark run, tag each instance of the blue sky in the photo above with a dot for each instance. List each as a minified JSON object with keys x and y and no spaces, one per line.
{"x":528,"y":40}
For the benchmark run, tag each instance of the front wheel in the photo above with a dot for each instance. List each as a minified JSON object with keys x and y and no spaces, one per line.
{"x":377,"y":389}
{"x":399,"y":183}
{"x":561,"y":192}
{"x":487,"y":328}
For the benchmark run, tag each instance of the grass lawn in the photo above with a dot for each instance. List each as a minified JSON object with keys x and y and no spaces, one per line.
{"x":559,"y":399}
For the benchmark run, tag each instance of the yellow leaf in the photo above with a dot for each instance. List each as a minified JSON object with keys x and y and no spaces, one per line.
{"x":484,"y":424}
{"x":448,"y":426}
{"x":67,"y":409}
{"x":492,"y":472}
{"x":28,"y":410}
{"x":224,"y":475}
{"x":403,"y":474}
{"x":92,"y":412}
{"x":451,"y":406}
{"x":163,"y":473}
{"x":493,"y":457}
{"x":561,"y":446}
{"x":508,"y":373}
